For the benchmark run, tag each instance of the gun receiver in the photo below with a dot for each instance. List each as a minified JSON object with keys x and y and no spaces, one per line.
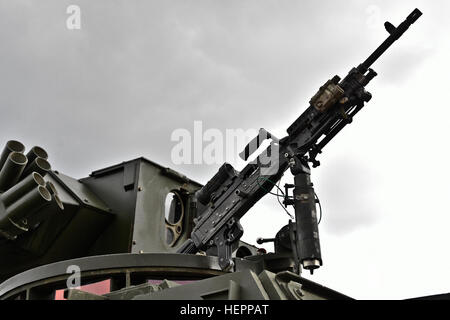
{"x":230,"y":194}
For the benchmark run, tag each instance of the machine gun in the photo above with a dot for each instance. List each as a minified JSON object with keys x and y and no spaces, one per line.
{"x":230,"y":194}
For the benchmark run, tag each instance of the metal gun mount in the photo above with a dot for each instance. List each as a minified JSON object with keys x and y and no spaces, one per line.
{"x":230,"y":194}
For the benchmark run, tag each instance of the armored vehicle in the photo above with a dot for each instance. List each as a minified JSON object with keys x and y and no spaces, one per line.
{"x":139,"y":230}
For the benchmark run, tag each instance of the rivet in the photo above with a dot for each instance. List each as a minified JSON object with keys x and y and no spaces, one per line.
{"x":299,"y":292}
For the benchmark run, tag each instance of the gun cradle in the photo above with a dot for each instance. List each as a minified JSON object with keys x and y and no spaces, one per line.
{"x":230,"y":196}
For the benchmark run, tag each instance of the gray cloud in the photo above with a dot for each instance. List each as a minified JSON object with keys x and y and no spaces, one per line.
{"x":348,"y":196}
{"x":136,"y":71}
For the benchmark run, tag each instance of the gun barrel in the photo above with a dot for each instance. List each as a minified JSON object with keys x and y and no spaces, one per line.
{"x":54,"y":192}
{"x":23,"y":187}
{"x":395,"y":34}
{"x":39,"y":165}
{"x":11,"y":146}
{"x":24,"y":206}
{"x":12,"y":169}
{"x":58,"y":201}
{"x":36,"y":152}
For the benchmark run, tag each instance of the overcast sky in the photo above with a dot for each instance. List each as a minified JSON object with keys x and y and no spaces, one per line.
{"x":118,"y":87}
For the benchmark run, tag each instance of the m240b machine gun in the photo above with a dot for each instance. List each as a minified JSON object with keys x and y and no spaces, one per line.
{"x":230,"y":194}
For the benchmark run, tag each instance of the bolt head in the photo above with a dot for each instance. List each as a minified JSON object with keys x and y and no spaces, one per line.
{"x":298,"y":292}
